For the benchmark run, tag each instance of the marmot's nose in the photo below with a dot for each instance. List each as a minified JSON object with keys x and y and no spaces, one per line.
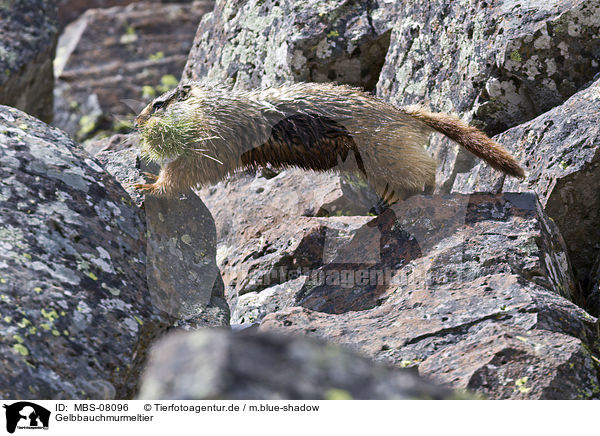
{"x":136,"y":123}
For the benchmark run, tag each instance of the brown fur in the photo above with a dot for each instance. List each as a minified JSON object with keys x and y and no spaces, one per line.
{"x":308,"y":125}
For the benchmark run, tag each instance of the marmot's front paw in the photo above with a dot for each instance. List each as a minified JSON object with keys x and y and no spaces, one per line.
{"x":147,"y":188}
{"x":150,"y":176}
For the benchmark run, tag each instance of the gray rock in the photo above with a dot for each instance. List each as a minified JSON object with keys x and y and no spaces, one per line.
{"x":496,"y":335}
{"x":181,"y":267}
{"x":76,"y":314}
{"x":259,"y":43}
{"x":560,"y":151}
{"x":247,"y":202}
{"x":183,"y":278}
{"x":498,"y":63}
{"x":509,"y":62}
{"x":215,"y":364}
{"x":28,"y":37}
{"x":252,"y":307}
{"x":442,"y":239}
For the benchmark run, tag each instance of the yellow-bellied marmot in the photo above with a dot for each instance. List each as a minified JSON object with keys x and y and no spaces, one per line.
{"x":202,"y":133}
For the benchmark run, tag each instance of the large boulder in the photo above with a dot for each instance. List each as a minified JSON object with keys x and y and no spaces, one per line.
{"x":497,"y":63}
{"x":469,"y":289}
{"x":210,"y":364}
{"x":561,"y":153}
{"x":182,"y":274}
{"x":76,"y":314}
{"x":260,"y":43}
{"x":28,"y":37}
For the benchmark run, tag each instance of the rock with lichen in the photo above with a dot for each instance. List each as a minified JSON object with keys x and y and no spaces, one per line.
{"x":182,"y":275}
{"x":561,"y":152}
{"x":498,"y":64}
{"x":259,"y":43}
{"x":75,"y":313}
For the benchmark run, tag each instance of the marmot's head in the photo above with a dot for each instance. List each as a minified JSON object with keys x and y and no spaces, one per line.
{"x":171,"y":125}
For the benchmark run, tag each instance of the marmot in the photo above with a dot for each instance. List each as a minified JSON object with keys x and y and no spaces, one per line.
{"x":202,"y":133}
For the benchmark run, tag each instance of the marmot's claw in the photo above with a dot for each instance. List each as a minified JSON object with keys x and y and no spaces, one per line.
{"x":145,"y":188}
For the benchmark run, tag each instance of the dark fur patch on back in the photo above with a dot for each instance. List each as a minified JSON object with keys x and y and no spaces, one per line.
{"x":305,"y":141}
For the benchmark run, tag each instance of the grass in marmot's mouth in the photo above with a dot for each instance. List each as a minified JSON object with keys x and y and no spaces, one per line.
{"x":168,"y":137}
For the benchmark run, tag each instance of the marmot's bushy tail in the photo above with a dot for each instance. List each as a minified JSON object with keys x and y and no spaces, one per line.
{"x":469,"y":137}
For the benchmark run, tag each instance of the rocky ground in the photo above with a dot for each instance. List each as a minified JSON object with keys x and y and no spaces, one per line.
{"x":486,"y":288}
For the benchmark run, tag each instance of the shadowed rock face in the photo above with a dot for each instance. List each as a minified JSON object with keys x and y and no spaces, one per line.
{"x":76,"y":313}
{"x":212,"y":364}
{"x":28,"y":37}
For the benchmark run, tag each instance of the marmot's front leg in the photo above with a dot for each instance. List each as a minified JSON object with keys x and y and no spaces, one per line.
{"x":155,"y":188}
{"x":170,"y":181}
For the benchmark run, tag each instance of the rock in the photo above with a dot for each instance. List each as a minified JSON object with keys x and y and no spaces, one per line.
{"x":282,"y":253}
{"x":27,"y":44}
{"x":347,"y":262}
{"x":211,"y":364}
{"x":252,"y":307}
{"x":181,"y":267}
{"x":442,"y":239}
{"x":481,"y":275}
{"x":69,"y":10}
{"x":510,"y":61}
{"x":495,"y":335}
{"x":592,"y":302}
{"x":246,"y":204}
{"x":560,"y":151}
{"x":120,"y":156}
{"x":260,"y":43}
{"x":76,"y":314}
{"x":112,"y":62}
{"x":498,"y":63}
{"x":183,"y":278}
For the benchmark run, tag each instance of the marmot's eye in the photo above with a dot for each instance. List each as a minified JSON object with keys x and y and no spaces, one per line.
{"x":184,"y":90}
{"x":158,"y":104}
